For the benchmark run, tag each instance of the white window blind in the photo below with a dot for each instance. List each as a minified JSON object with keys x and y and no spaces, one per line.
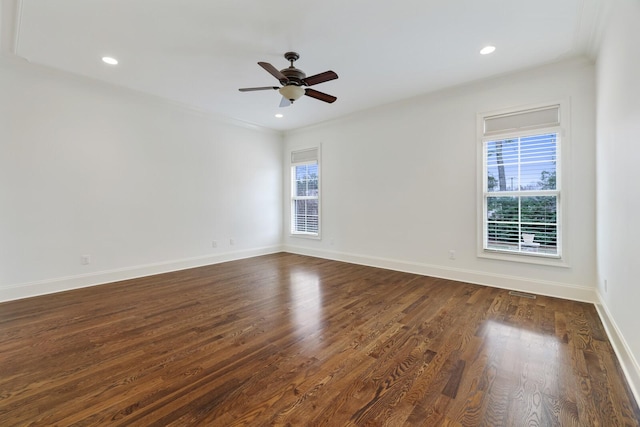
{"x":305,"y":192}
{"x":521,"y":120}
{"x":304,"y":156}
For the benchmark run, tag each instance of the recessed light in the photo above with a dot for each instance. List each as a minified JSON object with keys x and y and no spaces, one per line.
{"x":279,"y":116}
{"x":487,"y":50}
{"x":109,"y":60}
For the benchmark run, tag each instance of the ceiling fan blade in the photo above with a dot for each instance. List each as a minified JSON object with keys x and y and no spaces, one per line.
{"x":284,"y":102}
{"x":319,"y":95}
{"x":274,"y":72}
{"x":320,"y":78}
{"x":250,"y":89}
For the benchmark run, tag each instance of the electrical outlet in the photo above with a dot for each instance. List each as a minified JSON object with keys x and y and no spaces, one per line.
{"x":231,"y":242}
{"x":214,"y":243}
{"x":85,"y":259}
{"x":452,"y":254}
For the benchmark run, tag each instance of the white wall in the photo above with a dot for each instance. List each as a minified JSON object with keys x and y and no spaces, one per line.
{"x":400,"y":183}
{"x":618,"y":180}
{"x":141,"y":185}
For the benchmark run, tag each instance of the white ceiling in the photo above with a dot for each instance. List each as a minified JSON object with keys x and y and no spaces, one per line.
{"x":199,"y":52}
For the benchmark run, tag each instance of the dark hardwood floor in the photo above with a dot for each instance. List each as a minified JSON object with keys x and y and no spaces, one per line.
{"x":291,"y":340}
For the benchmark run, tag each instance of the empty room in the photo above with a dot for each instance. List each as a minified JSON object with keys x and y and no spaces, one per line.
{"x":226,"y":213}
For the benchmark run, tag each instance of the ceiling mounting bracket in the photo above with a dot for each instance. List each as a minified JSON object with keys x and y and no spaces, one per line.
{"x":291,"y":57}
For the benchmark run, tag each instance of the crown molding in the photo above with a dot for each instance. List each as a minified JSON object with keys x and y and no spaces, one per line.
{"x":10,"y":17}
{"x":599,"y":11}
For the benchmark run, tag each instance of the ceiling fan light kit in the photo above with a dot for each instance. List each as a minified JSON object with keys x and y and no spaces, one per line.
{"x":293,"y":82}
{"x":292,"y":92}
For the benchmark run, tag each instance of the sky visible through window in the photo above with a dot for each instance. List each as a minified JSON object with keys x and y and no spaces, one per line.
{"x":527,"y":163}
{"x":307,"y":180}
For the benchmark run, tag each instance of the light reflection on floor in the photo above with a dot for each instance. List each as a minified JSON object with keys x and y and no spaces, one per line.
{"x":495,"y":330}
{"x":534,"y":359}
{"x":306,"y":305}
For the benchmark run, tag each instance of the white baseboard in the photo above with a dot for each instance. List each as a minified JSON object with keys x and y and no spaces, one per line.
{"x":539,"y":287}
{"x":628,"y":362}
{"x":26,"y":290}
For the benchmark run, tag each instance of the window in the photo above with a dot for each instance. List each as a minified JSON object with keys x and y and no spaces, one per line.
{"x":305,"y":192}
{"x":521,"y":194}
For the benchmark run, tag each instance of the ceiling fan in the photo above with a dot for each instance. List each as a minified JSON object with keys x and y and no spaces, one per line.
{"x":293,"y":81}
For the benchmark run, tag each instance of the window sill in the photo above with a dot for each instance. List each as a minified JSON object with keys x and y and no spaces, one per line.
{"x":526,"y":258}
{"x":305,"y":236}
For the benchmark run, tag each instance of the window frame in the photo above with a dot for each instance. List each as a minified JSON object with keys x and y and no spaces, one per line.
{"x":562,"y":150}
{"x":292,"y":191}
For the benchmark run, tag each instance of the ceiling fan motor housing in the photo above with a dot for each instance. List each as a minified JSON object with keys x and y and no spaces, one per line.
{"x":293,"y":75}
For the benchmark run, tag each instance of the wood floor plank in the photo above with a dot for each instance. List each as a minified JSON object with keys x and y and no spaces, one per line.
{"x":286,"y":339}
